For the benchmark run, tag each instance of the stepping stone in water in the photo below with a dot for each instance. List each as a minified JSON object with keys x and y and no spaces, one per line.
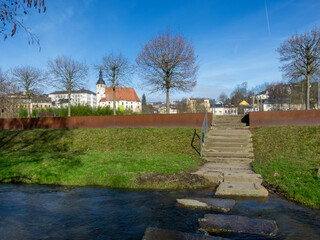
{"x":164,"y":234}
{"x":216,"y":204}
{"x":240,"y":224}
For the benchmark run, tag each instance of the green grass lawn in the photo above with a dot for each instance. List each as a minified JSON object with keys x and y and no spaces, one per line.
{"x":123,"y":158}
{"x":288,"y":158}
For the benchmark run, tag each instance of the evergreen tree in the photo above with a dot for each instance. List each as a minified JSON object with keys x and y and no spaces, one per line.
{"x":144,"y":103}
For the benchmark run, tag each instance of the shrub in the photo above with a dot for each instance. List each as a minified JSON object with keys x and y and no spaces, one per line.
{"x":77,"y":110}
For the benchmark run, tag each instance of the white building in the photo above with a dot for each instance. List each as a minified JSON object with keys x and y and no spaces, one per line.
{"x":78,"y":97}
{"x":126,"y":97}
{"x":172,"y":110}
{"x":220,"y":109}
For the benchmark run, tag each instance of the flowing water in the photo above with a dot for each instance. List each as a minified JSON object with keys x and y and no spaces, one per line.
{"x":55,"y":212}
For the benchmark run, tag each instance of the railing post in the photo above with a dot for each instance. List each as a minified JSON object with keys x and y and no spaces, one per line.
{"x":206,"y":122}
{"x":204,"y":131}
{"x":212,"y":117}
{"x":201,"y":143}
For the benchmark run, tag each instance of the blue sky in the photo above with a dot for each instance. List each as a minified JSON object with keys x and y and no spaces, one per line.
{"x":235,"y":40}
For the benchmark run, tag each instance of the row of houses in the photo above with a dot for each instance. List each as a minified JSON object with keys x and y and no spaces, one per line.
{"x":193,"y":105}
{"x":125,"y":97}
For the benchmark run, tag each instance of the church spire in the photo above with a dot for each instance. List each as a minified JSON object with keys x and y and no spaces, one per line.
{"x":100,"y":81}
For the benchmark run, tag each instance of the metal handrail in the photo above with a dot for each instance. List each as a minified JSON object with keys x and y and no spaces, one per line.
{"x":212,"y":117}
{"x":204,"y":130}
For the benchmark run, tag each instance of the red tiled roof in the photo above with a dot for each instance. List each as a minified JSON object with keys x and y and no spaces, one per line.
{"x":122,"y":94}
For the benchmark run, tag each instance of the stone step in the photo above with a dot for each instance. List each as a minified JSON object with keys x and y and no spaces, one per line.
{"x":218,"y":122}
{"x":228,"y":154}
{"x":242,"y":189}
{"x":228,"y":160}
{"x":219,"y":169}
{"x":152,"y":233}
{"x":228,"y":118}
{"x":236,"y":124}
{"x":233,"y":223}
{"x":242,"y":177}
{"x":228,"y":149}
{"x":222,"y":126}
{"x":227,"y":144}
{"x":215,"y":204}
{"x":230,"y":137}
{"x":219,"y":119}
{"x":219,"y":139}
{"x":214,"y":166}
{"x":232,"y":132}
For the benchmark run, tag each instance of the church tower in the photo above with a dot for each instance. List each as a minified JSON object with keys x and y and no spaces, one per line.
{"x":101,"y":88}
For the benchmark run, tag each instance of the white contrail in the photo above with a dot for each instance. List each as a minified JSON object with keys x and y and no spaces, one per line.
{"x":267,"y":15}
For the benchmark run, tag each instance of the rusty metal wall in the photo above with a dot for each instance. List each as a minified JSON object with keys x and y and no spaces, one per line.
{"x":285,"y":118}
{"x":124,"y":121}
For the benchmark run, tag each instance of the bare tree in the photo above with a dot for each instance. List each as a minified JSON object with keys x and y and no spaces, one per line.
{"x":3,"y":93}
{"x":12,"y":13}
{"x":9,"y":105}
{"x":258,"y":89}
{"x":117,"y":71}
{"x":223,"y":98}
{"x":239,"y":94}
{"x":3,"y":82}
{"x":29,"y":80}
{"x":68,"y":75}
{"x":168,"y":62}
{"x":182,"y":106}
{"x":301,"y":57}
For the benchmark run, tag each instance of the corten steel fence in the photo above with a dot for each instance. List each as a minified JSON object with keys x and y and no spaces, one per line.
{"x":193,"y":120}
{"x":204,"y":131}
{"x":285,"y":118}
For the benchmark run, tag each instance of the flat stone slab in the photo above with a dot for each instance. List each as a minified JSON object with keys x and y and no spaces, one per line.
{"x":214,"y":177}
{"x":242,"y":177}
{"x":240,"y":224}
{"x":236,"y":138}
{"x":227,"y":149}
{"x":216,"y":204}
{"x":229,"y":154}
{"x":219,"y":139}
{"x":227,"y":132}
{"x":226,"y":166}
{"x":164,"y":234}
{"x":242,"y":189}
{"x":228,"y":160}
{"x":227,"y":144}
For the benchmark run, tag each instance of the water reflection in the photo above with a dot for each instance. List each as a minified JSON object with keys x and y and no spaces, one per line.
{"x":51,"y":212}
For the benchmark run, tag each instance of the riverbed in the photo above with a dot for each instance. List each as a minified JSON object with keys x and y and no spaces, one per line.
{"x":59,"y":212}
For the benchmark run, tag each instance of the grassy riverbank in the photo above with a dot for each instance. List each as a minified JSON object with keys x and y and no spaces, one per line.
{"x":123,"y":158}
{"x":288,"y":159}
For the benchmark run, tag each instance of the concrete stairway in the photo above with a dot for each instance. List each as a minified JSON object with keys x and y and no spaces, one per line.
{"x":228,"y":151}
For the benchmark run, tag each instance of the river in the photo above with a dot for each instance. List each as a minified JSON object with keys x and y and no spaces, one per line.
{"x":57,"y":212}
